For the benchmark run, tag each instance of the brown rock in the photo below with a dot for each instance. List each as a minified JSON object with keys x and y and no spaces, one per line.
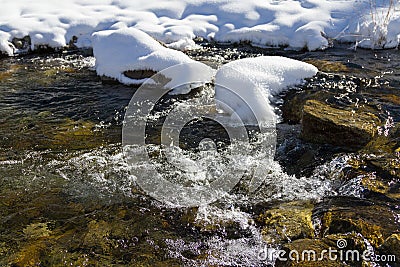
{"x":287,"y":222}
{"x":342,"y":215}
{"x":322,"y":123}
{"x":139,"y":74}
{"x":309,"y":254}
{"x":328,"y":66}
{"x":391,"y":247}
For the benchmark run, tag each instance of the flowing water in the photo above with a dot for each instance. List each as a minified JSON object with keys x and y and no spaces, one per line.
{"x":67,"y":196}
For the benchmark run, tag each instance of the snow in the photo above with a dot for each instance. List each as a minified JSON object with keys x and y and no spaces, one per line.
{"x":130,"y":49}
{"x":184,"y":44}
{"x":297,"y":24}
{"x":127,"y":49}
{"x":242,"y":87}
{"x":246,"y":85}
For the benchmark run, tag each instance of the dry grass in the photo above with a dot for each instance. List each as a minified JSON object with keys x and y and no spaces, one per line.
{"x":381,"y":16}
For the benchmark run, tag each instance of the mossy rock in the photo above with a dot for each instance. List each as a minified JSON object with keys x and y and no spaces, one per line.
{"x":385,"y":142}
{"x":36,"y":231}
{"x":6,"y":74}
{"x":391,"y":246}
{"x":30,"y":254}
{"x":305,"y":256}
{"x":383,"y":154}
{"x":76,"y":135}
{"x":328,"y":66}
{"x":341,"y":215}
{"x":294,"y":101}
{"x":346,"y":250}
{"x":377,"y":186}
{"x":322,"y":123}
{"x":288,"y":222}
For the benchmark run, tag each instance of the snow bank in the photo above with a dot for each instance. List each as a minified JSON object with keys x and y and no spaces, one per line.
{"x":297,"y":24}
{"x":246,"y":85}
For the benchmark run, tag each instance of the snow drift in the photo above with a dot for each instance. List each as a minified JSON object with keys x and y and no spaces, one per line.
{"x":297,"y":24}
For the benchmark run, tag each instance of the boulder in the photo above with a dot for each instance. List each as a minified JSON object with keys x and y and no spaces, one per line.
{"x":322,"y":123}
{"x":391,"y":247}
{"x":315,"y":252}
{"x":305,"y":249}
{"x":288,"y":222}
{"x":341,"y":215}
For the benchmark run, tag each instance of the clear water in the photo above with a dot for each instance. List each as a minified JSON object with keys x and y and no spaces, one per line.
{"x":67,"y":196}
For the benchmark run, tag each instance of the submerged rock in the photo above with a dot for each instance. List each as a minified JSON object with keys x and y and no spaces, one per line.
{"x":328,"y":66}
{"x":322,"y":123}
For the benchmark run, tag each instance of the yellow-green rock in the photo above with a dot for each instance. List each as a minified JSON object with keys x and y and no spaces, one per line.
{"x":36,"y":230}
{"x":373,"y":222}
{"x":288,"y":222}
{"x":391,"y":246}
{"x":322,"y":123}
{"x":309,"y":254}
{"x":328,"y":66}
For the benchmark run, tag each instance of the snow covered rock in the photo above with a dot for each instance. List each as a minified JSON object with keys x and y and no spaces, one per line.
{"x":131,"y":56}
{"x":246,"y":85}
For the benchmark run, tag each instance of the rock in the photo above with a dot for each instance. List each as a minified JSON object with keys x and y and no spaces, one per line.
{"x":387,"y":142}
{"x":304,"y":247}
{"x":394,"y":99}
{"x":22,"y":44}
{"x":36,"y":230}
{"x":139,"y":74}
{"x":373,"y":184}
{"x":288,"y":222}
{"x":292,"y":107}
{"x":338,"y":244}
{"x":391,"y":246}
{"x":328,"y":66}
{"x":322,"y":123}
{"x":382,"y":154}
{"x":341,"y":215}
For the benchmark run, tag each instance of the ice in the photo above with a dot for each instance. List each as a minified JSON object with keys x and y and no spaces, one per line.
{"x":298,"y":24}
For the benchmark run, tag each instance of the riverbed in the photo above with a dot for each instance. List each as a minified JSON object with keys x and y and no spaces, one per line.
{"x":67,"y":197}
